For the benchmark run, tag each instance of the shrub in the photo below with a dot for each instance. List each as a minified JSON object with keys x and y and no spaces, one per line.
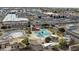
{"x":55,"y":47}
{"x":1,"y":33}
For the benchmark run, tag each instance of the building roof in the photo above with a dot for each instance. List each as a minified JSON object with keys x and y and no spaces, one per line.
{"x":13,"y":17}
{"x":70,"y":26}
{"x":21,"y":19}
{"x":11,"y":35}
{"x":50,"y":13}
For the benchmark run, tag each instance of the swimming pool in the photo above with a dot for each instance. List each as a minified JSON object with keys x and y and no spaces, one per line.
{"x":42,"y":33}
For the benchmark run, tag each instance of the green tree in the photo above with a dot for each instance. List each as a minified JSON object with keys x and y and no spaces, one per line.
{"x":63,"y":44}
{"x":47,"y":40}
{"x":26,"y":41}
{"x":4,"y":27}
{"x":61,"y":30}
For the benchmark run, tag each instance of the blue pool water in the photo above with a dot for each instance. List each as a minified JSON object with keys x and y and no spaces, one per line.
{"x":42,"y":33}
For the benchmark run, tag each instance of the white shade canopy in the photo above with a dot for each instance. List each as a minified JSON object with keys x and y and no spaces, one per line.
{"x":13,"y":17}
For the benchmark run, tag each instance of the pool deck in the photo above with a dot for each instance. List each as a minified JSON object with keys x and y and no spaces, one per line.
{"x":39,"y":40}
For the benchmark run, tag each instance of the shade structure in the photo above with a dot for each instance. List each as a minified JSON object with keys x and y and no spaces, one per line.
{"x":13,"y":17}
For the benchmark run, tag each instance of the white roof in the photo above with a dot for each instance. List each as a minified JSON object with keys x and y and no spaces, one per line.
{"x":21,"y":19}
{"x":16,"y":34}
{"x":9,"y":17}
{"x":13,"y":17}
{"x":13,"y":10}
{"x":50,"y":44}
{"x":50,"y":13}
{"x":69,"y":26}
{"x":11,"y":35}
